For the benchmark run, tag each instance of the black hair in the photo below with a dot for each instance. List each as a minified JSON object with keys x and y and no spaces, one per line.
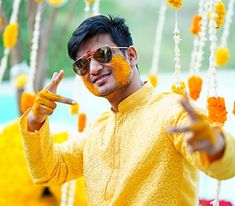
{"x":100,"y":24}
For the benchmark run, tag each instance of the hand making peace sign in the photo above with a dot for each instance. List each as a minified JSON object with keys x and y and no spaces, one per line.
{"x":202,"y":137}
{"x":44,"y":103}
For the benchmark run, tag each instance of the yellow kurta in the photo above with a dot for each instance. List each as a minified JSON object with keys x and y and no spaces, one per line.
{"x":128,"y":158}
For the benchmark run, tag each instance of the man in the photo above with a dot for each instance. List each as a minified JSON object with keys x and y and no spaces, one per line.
{"x":139,"y":152}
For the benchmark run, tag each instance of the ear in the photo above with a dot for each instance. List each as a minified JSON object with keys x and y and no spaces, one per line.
{"x":132,"y":56}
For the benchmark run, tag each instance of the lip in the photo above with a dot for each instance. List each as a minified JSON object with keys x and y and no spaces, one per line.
{"x":100,"y":78}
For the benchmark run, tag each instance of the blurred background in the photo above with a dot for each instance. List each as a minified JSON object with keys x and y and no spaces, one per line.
{"x":56,"y":27}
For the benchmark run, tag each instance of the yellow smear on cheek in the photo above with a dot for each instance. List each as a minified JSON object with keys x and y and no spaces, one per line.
{"x":122,"y":69}
{"x":89,"y":86}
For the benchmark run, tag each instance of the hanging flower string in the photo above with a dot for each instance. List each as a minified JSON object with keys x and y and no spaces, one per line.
{"x":9,"y":37}
{"x":157,"y":45}
{"x":220,"y":13}
{"x":96,"y":8}
{"x":176,"y":4}
{"x":87,"y":9}
{"x":67,"y":193}
{"x":81,"y":122}
{"x":34,"y":47}
{"x":216,"y":105}
{"x":222,"y":53}
{"x":196,"y":25}
{"x":195,"y":86}
{"x":178,"y":86}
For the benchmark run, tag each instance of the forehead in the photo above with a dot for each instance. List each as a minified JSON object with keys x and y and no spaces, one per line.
{"x":94,"y":43}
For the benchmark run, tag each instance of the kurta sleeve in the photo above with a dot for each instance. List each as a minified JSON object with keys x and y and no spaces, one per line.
{"x":50,"y":163}
{"x":222,"y":168}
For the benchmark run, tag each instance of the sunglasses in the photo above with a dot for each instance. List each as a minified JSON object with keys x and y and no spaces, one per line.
{"x":102,"y":55}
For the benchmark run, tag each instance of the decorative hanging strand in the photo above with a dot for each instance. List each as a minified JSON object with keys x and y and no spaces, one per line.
{"x":96,"y":8}
{"x":158,"y":39}
{"x":68,"y":192}
{"x":6,"y":52}
{"x":202,"y":39}
{"x":34,"y":48}
{"x":215,"y":202}
{"x":196,"y":41}
{"x":212,"y":79}
{"x":228,"y":21}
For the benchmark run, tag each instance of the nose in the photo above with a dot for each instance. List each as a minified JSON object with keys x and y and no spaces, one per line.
{"x":95,"y":67}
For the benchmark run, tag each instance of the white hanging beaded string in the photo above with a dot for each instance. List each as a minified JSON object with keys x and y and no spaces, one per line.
{"x":64,"y":190}
{"x":158,"y":38}
{"x":68,"y":193}
{"x":196,"y":41}
{"x":202,"y":38}
{"x":177,"y":39}
{"x":34,"y":48}
{"x":6,"y":52}
{"x":96,"y":8}
{"x":87,"y":8}
{"x":228,"y":21}
{"x":212,"y":79}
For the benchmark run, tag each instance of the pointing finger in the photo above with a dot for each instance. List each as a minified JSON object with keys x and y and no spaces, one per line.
{"x":56,"y":79}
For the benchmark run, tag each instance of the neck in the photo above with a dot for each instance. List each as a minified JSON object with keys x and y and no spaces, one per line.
{"x":124,"y":92}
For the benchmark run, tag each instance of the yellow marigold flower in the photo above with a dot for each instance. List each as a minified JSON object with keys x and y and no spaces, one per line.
{"x":216,"y":109}
{"x":21,"y":81}
{"x":176,"y":4}
{"x":179,"y":88}
{"x":220,"y":11}
{"x":26,"y":101}
{"x":60,"y":137}
{"x":81,"y":122}
{"x":10,"y":35}
{"x":153,"y":80}
{"x":195,"y":86}
{"x":196,"y":24}
{"x":56,"y":3}
{"x":90,"y":1}
{"x":74,"y":108}
{"x":221,"y":56}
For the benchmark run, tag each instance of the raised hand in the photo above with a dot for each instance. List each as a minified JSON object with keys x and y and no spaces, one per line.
{"x":201,"y":136}
{"x":44,"y":103}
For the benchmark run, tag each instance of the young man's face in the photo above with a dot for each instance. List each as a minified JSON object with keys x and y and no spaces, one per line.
{"x":105,"y":79}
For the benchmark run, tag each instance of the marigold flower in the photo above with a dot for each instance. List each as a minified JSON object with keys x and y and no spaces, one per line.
{"x":21,"y":81}
{"x":10,"y":35}
{"x":222,"y":56}
{"x":74,"y":108}
{"x":220,"y":10}
{"x":56,"y":3}
{"x":38,"y":1}
{"x":90,"y":1}
{"x":196,"y":24}
{"x":195,"y":86}
{"x":176,"y":4}
{"x":179,"y":88}
{"x":216,"y":109}
{"x":26,"y":101}
{"x":81,"y":122}
{"x":153,"y":80}
{"x":234,"y":108}
{"x":1,"y":22}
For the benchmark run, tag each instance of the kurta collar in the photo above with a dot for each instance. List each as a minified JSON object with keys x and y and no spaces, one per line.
{"x":137,"y":98}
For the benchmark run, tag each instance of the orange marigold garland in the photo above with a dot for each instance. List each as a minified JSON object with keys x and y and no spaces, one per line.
{"x":216,"y":109}
{"x":81,"y":122}
{"x":26,"y":101}
{"x":195,"y":86}
{"x":222,"y":56}
{"x":176,"y":4}
{"x":179,"y":88}
{"x":196,"y":25}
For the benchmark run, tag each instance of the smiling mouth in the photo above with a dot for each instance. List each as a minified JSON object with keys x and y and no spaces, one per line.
{"x":100,"y":79}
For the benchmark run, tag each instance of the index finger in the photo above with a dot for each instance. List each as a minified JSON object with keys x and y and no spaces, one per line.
{"x":189,"y":109}
{"x":55,"y":81}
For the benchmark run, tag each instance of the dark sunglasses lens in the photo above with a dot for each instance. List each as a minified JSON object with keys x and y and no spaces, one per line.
{"x":81,"y":66}
{"x":103,"y":54}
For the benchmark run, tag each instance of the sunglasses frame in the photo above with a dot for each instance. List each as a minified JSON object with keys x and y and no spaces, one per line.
{"x":84,"y":70}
